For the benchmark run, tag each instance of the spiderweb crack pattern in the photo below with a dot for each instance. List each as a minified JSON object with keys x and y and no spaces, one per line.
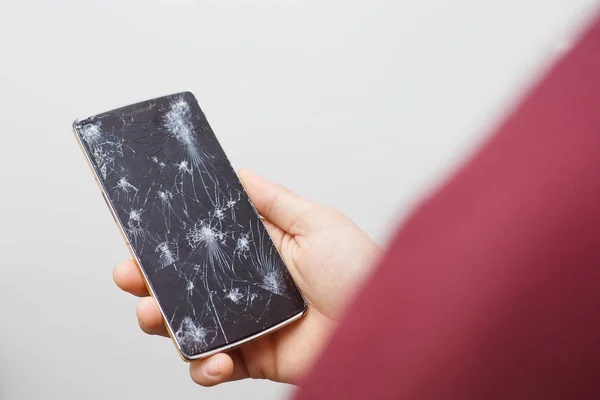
{"x":206,"y":254}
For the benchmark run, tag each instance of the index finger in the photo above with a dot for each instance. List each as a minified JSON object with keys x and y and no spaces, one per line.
{"x":128,"y":277}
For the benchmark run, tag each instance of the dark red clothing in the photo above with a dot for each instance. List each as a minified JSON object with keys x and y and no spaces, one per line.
{"x":491,"y":289}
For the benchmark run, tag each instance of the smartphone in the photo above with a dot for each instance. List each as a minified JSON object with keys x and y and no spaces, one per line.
{"x":200,"y":244}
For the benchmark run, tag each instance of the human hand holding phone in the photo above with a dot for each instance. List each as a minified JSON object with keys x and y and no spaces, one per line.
{"x":327,"y":256}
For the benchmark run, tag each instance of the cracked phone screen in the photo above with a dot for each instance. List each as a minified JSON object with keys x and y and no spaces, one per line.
{"x":215,"y":273}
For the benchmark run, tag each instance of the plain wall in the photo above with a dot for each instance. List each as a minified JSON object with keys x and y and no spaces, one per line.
{"x":361,"y":105}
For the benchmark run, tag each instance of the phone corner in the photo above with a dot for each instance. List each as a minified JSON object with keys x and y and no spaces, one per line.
{"x":190,"y":96}
{"x":303,"y":310}
{"x":186,"y":358}
{"x":189,"y":92}
{"x":77,"y":123}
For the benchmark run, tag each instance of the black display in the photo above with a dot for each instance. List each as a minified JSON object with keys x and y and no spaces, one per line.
{"x":202,"y":247}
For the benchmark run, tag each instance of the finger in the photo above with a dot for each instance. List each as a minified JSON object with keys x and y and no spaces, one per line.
{"x":239,"y":367}
{"x":212,"y":371}
{"x":274,"y":202}
{"x":282,"y":241}
{"x":149,"y":317}
{"x":128,"y":277}
{"x":275,"y":233}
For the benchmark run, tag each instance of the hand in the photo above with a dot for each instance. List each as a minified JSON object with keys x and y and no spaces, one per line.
{"x":327,"y":256}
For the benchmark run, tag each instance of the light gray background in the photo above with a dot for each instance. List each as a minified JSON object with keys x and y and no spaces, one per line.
{"x":361,"y":105}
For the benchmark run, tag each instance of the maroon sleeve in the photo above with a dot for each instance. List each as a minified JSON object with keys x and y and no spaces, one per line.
{"x":491,"y":289}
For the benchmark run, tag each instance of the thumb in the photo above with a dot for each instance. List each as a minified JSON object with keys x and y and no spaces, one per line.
{"x":274,"y":202}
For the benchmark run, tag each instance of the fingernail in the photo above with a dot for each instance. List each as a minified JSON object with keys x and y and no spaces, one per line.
{"x":212,"y":368}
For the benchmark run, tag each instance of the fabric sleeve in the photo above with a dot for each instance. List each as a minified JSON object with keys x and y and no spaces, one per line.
{"x":491,"y":288}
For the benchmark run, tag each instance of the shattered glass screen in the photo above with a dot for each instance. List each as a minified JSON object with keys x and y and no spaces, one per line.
{"x":216,"y":274}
